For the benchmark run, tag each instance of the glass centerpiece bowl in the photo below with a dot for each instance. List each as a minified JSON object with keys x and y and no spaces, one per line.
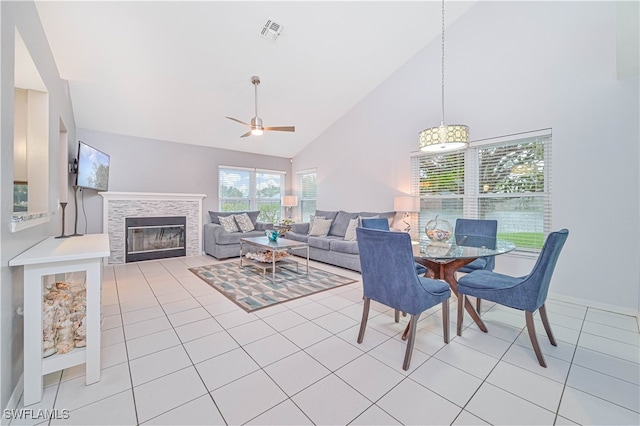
{"x":272,"y":234}
{"x":438,"y":230}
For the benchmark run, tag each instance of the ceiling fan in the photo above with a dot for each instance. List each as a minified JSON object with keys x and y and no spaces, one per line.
{"x":256,"y":122}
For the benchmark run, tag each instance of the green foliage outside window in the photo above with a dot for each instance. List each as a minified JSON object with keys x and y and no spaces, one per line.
{"x":234,"y":205}
{"x":20,"y":196}
{"x":269,"y":212}
{"x":242,"y":190}
{"x":508,"y":182}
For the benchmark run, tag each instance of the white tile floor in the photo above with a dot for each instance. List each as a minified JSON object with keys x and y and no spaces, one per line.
{"x":176,"y":352}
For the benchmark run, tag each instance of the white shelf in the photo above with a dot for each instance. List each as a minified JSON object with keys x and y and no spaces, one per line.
{"x":60,"y":256}
{"x":59,"y":362}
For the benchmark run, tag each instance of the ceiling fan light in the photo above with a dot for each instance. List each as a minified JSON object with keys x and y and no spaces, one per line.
{"x":256,"y":132}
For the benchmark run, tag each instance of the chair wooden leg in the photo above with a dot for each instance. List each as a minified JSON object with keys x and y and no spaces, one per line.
{"x":478,"y":303}
{"x":534,"y":340}
{"x":460,"y":313}
{"x":413,"y":322}
{"x":396,"y":315}
{"x":365,"y":317}
{"x":445,"y":320}
{"x":547,"y":326}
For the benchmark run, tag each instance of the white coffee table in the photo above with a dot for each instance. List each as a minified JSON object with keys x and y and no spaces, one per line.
{"x":280,"y":246}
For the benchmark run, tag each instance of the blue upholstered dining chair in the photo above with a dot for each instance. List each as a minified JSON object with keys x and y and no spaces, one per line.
{"x":527,"y":293}
{"x":382,"y":224}
{"x":389,"y":277}
{"x":475,"y":232}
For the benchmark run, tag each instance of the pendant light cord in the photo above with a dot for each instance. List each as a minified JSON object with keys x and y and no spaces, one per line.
{"x":442,"y":123}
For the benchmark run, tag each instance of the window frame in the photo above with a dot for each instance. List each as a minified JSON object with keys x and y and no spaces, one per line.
{"x":470,"y":199}
{"x":303,"y":195}
{"x":253,"y":200}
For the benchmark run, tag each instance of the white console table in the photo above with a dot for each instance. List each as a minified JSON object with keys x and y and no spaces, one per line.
{"x":59,"y":256}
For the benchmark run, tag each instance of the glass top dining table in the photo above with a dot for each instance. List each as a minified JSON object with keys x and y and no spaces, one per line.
{"x":465,"y":247}
{"x":443,"y":259}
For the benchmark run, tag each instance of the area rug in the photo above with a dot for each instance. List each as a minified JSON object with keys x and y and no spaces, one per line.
{"x":246,"y":287}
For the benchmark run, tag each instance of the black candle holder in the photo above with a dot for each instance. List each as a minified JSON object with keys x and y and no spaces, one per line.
{"x":75,"y":226}
{"x":63,"y":205}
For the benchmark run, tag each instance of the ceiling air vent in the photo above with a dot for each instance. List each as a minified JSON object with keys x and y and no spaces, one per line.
{"x":271,"y":30}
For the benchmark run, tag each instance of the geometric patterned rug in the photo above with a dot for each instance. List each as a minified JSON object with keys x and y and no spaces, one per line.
{"x":247,"y":288}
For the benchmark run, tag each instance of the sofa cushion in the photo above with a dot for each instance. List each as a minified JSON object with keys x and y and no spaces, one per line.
{"x":228,"y":223}
{"x":263,"y":226}
{"x":350,"y":234}
{"x":320,"y":227}
{"x":300,"y":228}
{"x":224,"y":238}
{"x":312,"y":219}
{"x":253,"y":215}
{"x":244,"y":223}
{"x":297,"y":236}
{"x":327,"y":214}
{"x":342,"y":246}
{"x":341,"y":223}
{"x":322,"y":242}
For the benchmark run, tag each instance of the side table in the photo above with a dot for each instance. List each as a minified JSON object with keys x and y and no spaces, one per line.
{"x":60,"y":256}
{"x":283,"y":229}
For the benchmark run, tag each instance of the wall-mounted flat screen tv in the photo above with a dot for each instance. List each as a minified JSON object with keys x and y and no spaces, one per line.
{"x":93,"y":168}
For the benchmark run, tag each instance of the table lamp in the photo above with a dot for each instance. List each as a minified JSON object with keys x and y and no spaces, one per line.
{"x":406,"y":204}
{"x":289,"y":201}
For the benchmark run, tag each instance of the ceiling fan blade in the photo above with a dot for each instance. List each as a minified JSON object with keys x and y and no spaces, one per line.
{"x":282,"y":128}
{"x":246,"y":134}
{"x":239,"y":121}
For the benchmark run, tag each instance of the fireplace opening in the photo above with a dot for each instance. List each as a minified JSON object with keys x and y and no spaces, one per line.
{"x":154,"y":237}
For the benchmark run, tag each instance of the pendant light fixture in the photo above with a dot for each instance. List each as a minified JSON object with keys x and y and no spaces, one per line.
{"x":443,"y":138}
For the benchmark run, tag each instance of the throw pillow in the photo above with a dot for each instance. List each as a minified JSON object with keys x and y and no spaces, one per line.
{"x":228,"y":223}
{"x":312,"y":219}
{"x":350,"y":234}
{"x":253,"y":215}
{"x":320,"y":227}
{"x":244,"y":222}
{"x":215,"y":215}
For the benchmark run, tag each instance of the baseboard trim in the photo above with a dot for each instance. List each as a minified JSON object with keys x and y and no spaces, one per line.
{"x":14,"y":399}
{"x":596,"y":305}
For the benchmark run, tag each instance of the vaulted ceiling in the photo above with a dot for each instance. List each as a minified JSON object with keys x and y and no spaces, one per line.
{"x":173,"y":70}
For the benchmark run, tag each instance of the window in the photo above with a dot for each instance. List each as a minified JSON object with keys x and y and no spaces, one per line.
{"x":251,"y":189}
{"x":307,"y":185}
{"x":508,"y":181}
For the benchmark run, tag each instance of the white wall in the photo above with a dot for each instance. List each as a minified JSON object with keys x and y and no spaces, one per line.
{"x":148,"y":165}
{"x":23,"y":16}
{"x":513,"y":67}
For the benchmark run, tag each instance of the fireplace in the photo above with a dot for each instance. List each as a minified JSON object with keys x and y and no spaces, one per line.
{"x":118,"y":206}
{"x":149,"y":238}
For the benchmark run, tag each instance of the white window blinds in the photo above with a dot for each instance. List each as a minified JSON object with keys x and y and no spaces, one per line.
{"x":509,"y":181}
{"x":252,"y":189}
{"x":307,"y":184}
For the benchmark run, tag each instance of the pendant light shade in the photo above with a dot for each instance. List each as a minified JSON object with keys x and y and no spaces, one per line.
{"x":443,"y":138}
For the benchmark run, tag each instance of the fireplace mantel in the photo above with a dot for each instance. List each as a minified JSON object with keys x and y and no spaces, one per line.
{"x":117,"y":206}
{"x":111,"y":195}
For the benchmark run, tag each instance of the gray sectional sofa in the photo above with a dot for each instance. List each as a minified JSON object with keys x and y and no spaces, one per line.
{"x":333,"y":248}
{"x":222,"y":244}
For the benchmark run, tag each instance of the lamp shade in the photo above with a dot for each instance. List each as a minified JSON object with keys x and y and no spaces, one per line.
{"x":444,"y":138}
{"x":406,"y":203}
{"x":290,"y":200}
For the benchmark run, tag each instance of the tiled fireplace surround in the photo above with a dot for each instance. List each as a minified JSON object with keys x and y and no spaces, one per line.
{"x":117,"y":206}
